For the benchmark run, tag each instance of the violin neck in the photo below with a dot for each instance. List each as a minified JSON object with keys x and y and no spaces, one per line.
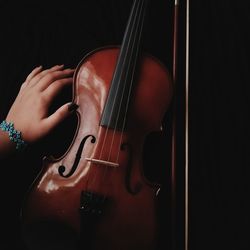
{"x":124,"y":77}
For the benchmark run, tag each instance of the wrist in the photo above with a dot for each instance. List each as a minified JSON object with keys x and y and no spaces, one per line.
{"x":6,"y":145}
{"x":14,"y":136}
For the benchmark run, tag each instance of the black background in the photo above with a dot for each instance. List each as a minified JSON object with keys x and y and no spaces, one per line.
{"x":52,"y":33}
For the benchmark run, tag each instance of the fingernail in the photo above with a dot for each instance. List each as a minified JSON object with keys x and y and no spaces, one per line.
{"x":72,"y":107}
{"x":38,"y":67}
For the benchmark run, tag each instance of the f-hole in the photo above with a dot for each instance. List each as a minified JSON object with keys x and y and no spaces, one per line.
{"x":61,"y":169}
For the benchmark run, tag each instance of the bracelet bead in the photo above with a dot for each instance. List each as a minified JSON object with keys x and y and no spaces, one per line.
{"x":14,"y":135}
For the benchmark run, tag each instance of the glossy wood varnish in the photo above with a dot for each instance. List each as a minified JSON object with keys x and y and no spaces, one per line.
{"x":128,"y":221}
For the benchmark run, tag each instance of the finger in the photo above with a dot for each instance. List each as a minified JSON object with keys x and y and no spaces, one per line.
{"x":33,"y":73}
{"x":57,"y":117}
{"x":41,"y":74}
{"x":55,"y":88}
{"x":52,"y":77}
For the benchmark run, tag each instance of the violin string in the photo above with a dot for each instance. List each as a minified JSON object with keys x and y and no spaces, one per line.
{"x":130,"y":87}
{"x":109,"y":122}
{"x":129,"y":57}
{"x":118,"y":87}
{"x":132,"y":79}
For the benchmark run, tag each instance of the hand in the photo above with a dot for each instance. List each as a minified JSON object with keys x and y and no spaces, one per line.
{"x":29,"y":112}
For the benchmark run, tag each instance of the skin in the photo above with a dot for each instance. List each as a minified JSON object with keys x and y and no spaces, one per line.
{"x":29,"y":112}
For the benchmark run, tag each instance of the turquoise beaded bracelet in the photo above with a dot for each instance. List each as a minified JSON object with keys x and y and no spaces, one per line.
{"x":14,"y":135}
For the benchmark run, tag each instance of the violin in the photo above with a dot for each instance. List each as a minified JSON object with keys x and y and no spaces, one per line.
{"x":96,"y":196}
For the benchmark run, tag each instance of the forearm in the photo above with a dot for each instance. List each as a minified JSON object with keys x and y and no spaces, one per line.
{"x":6,"y":145}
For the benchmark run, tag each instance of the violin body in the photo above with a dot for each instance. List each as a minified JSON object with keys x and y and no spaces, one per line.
{"x":97,"y":193}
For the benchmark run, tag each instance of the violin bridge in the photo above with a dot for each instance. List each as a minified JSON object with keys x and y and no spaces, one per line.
{"x":106,"y":163}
